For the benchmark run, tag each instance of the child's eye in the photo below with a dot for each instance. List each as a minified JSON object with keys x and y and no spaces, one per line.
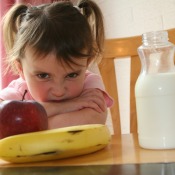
{"x":72,"y":75}
{"x":43,"y":76}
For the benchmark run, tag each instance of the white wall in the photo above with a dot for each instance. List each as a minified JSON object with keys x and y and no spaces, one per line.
{"x":125,"y":18}
{"x":133,"y":17}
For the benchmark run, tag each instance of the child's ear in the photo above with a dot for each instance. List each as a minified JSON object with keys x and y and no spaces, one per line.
{"x":19,"y":69}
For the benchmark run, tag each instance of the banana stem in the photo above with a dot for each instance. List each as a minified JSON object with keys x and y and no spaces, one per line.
{"x":23,"y":97}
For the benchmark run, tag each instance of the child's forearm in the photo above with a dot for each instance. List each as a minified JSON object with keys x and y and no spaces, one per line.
{"x":57,"y":108}
{"x":81,"y":117}
{"x":53,"y":109}
{"x":96,"y":103}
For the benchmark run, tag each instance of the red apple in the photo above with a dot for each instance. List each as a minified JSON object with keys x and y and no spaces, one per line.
{"x":17,"y":117}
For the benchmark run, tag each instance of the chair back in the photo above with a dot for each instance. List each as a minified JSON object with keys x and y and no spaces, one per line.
{"x":123,"y":48}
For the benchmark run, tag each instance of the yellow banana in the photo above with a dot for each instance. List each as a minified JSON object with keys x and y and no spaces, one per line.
{"x":54,"y":144}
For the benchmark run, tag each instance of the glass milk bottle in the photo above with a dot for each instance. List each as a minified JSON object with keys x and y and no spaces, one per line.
{"x":155,"y":92}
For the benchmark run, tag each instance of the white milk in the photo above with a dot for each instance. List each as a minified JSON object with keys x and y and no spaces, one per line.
{"x":155,"y":101}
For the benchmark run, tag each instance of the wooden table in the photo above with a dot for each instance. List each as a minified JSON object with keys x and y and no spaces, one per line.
{"x":122,"y":153}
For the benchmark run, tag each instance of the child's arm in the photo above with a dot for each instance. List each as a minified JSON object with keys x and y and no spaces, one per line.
{"x":84,"y":116}
{"x":89,"y":108}
{"x":89,"y":98}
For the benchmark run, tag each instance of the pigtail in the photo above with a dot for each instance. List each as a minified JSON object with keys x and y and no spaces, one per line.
{"x":11,"y":23}
{"x":95,"y":18}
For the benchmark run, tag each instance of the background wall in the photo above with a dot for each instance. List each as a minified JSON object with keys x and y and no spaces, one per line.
{"x":125,"y":18}
{"x":133,"y":17}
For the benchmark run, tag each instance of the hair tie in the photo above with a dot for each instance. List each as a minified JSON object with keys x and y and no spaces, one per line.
{"x":78,"y":8}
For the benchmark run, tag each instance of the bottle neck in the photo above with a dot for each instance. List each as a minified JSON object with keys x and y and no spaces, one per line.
{"x":155,"y":38}
{"x":156,"y":53}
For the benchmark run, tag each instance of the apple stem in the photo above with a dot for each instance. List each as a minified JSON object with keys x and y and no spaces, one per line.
{"x":23,"y":97}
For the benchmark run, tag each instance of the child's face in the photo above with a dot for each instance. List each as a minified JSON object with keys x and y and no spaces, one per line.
{"x":49,"y":80}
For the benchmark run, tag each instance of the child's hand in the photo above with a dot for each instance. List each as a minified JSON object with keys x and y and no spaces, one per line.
{"x":90,"y":98}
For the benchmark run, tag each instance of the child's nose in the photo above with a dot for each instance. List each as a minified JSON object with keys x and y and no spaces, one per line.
{"x":58,"y":90}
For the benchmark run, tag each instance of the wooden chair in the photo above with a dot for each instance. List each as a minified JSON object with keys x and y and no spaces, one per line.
{"x":121,"y":48}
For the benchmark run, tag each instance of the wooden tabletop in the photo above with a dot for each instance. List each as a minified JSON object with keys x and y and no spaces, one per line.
{"x":123,"y":150}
